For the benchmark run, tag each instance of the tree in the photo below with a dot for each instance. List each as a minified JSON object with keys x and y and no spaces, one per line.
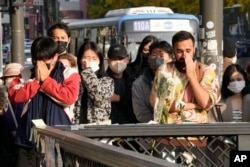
{"x":98,"y":8}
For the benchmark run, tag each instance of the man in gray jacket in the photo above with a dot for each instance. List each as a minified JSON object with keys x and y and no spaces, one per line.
{"x":160,"y":53}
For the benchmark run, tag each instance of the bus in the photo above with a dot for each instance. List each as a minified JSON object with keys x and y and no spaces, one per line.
{"x":129,"y":26}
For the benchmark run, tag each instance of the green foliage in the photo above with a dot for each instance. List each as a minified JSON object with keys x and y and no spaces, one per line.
{"x":244,"y":4}
{"x":98,"y":8}
{"x":162,"y":91}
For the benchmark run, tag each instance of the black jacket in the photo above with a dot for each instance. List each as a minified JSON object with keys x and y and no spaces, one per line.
{"x":122,"y":111}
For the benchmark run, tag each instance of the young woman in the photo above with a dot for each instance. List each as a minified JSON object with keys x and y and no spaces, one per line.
{"x":141,"y":62}
{"x":94,"y":104}
{"x":234,"y":92}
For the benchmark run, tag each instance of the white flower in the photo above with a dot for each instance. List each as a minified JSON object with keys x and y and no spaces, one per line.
{"x":170,"y":81}
{"x":180,"y":104}
{"x":167,"y":74}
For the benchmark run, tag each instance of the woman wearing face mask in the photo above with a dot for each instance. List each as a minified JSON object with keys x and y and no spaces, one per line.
{"x":234,"y":92}
{"x":141,"y":62}
{"x":94,"y":103}
{"x":122,"y":111}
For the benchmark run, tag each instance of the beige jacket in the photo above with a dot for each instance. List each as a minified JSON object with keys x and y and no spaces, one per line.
{"x":226,"y":109}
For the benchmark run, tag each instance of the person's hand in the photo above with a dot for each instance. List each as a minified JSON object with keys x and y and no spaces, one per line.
{"x":37,"y":74}
{"x":43,"y":71}
{"x":1,"y":111}
{"x":115,"y":98}
{"x":190,"y":66}
{"x":85,"y":63}
{"x":172,"y":108}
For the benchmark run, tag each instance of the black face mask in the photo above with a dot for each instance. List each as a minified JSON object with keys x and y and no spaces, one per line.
{"x":181,"y":65}
{"x":48,"y":66}
{"x":62,"y":46}
{"x":155,"y":63}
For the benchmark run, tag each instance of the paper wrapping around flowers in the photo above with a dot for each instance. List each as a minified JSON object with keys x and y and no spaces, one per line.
{"x":163,"y":86}
{"x":169,"y":88}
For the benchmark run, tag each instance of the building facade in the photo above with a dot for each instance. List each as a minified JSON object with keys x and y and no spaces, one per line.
{"x":39,"y":15}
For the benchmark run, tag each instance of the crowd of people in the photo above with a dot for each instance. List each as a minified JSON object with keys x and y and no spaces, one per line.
{"x":165,"y":85}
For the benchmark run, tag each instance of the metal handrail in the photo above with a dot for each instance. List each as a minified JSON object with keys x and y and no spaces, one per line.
{"x":185,"y":129}
{"x":86,"y":141}
{"x":98,"y":152}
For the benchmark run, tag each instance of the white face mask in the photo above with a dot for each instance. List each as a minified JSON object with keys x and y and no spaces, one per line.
{"x":117,"y":66}
{"x":94,"y":65}
{"x":236,"y":86}
{"x":234,"y":60}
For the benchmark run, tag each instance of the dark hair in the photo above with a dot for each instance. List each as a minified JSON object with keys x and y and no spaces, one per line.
{"x":94,"y":47}
{"x":248,"y":68}
{"x":137,"y":64}
{"x":145,"y":41}
{"x":58,"y":26}
{"x":225,"y":92}
{"x":43,"y":48}
{"x":182,"y":36}
{"x":164,"y":45}
{"x":229,"y":47}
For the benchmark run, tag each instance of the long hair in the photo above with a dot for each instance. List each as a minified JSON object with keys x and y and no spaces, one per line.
{"x":145,"y":41}
{"x":225,"y":92}
{"x":138,"y":66}
{"x":95,"y":48}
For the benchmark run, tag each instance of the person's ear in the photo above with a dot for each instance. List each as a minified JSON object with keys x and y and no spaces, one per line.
{"x":69,"y":41}
{"x":127,"y":60}
{"x":195,"y":54}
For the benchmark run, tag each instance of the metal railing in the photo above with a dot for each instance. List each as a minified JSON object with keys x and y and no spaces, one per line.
{"x":149,"y":145}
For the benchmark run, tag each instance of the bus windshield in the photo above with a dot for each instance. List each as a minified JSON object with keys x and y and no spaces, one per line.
{"x":129,"y":26}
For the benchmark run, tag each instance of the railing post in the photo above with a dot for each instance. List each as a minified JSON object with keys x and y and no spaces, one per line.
{"x":244,"y":142}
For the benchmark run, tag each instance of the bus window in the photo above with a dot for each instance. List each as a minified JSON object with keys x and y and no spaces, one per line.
{"x":129,"y":26}
{"x":93,"y":35}
{"x":132,"y":50}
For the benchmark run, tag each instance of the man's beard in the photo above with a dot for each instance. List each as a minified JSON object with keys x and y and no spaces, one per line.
{"x":181,"y":65}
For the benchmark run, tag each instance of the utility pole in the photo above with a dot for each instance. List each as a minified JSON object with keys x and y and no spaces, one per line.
{"x":1,"y":45}
{"x":211,"y":34}
{"x":3,"y":4}
{"x":46,"y":16}
{"x":17,"y":31}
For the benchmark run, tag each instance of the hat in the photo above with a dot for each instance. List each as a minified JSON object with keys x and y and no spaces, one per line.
{"x":12,"y":69}
{"x":229,"y":47}
{"x":117,"y":51}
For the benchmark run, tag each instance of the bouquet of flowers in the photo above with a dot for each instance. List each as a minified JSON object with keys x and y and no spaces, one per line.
{"x":164,"y":94}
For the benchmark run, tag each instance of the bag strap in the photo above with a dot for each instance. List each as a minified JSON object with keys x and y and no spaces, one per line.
{"x":218,"y":111}
{"x":12,"y":113}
